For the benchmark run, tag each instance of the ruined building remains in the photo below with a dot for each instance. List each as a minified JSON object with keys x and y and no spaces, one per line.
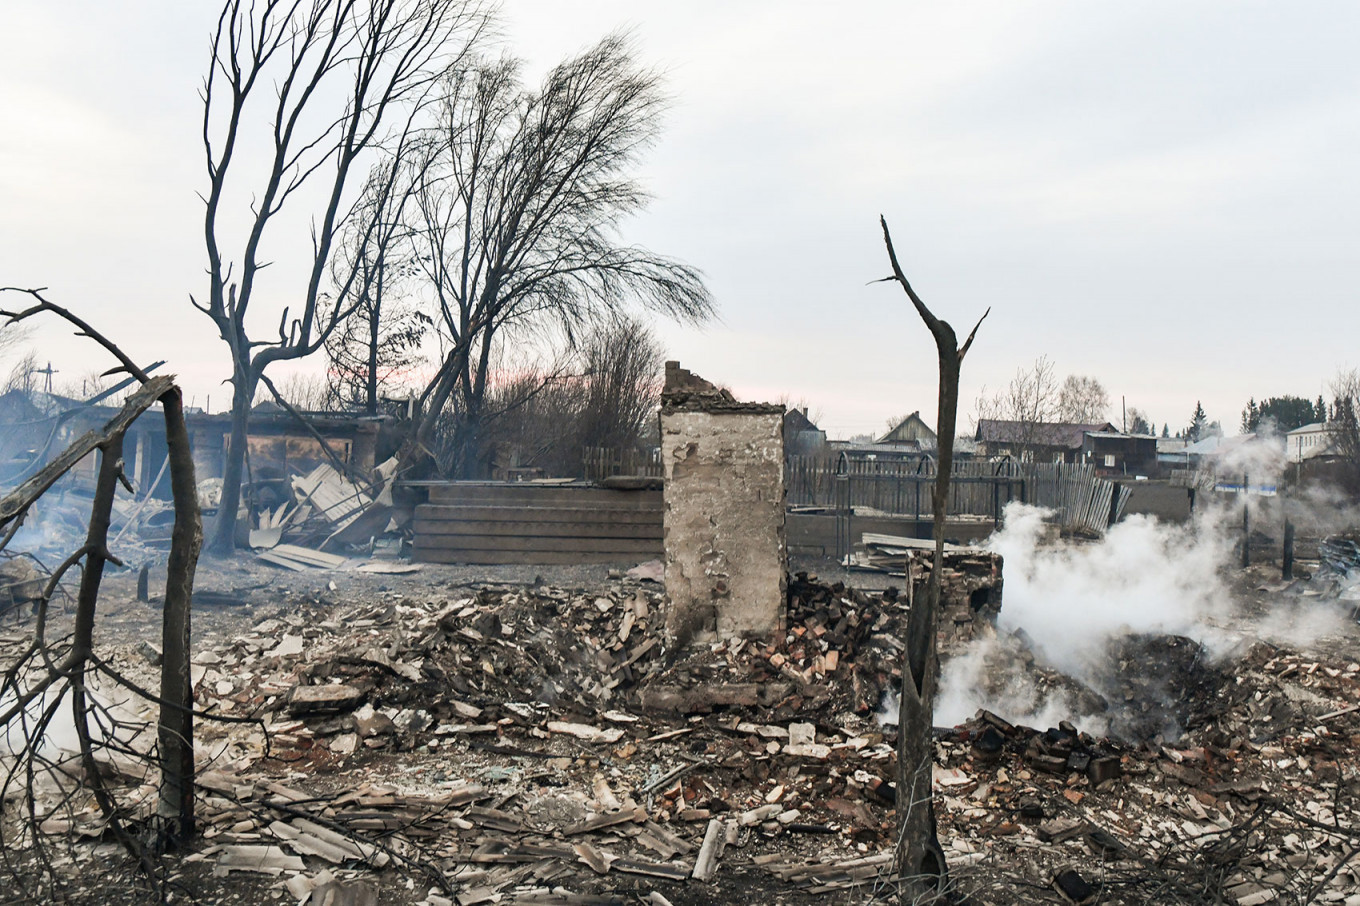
{"x":726,"y":557}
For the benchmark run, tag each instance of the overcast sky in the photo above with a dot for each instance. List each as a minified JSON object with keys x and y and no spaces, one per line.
{"x":1160,"y":195}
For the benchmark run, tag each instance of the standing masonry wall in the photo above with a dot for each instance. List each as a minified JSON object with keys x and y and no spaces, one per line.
{"x":726,"y":556}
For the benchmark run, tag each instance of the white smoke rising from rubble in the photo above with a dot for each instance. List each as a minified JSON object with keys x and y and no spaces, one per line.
{"x":1143,"y":576}
{"x":1069,"y":600}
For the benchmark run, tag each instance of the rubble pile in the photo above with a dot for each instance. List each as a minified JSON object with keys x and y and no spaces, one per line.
{"x":536,"y":744}
{"x":1260,"y":804}
{"x":295,"y":522}
{"x":970,"y":588}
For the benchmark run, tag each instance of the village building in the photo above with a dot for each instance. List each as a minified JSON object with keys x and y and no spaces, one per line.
{"x":1309,"y":442}
{"x":911,"y":430}
{"x":1034,"y":441}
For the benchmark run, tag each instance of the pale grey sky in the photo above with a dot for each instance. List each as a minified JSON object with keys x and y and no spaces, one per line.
{"x":1162,"y":195}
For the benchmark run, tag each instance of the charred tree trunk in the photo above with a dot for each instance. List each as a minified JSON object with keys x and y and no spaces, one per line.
{"x":371,"y":371}
{"x":175,"y":728}
{"x":82,"y":641}
{"x":223,"y":541}
{"x":921,"y":867}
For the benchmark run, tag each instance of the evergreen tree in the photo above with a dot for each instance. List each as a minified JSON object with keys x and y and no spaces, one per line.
{"x":1166,"y":430}
{"x":1320,"y":410}
{"x":1198,"y":422}
{"x":1280,"y":413}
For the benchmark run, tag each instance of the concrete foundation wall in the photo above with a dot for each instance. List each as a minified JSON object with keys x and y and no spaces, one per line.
{"x":726,"y":557}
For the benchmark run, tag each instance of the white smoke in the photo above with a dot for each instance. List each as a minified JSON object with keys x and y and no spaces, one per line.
{"x":989,"y":675}
{"x":1143,"y":576}
{"x":1068,"y":600}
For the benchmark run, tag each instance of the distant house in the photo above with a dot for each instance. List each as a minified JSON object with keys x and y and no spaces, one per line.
{"x":1114,"y":453}
{"x":801,"y":436}
{"x":1035,"y":441}
{"x":1309,"y":442}
{"x":911,"y":439}
{"x":1171,"y":452}
{"x":911,"y":429}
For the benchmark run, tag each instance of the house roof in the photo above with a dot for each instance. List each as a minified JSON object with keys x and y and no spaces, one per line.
{"x":796,"y":420}
{"x":1218,"y":445}
{"x":1119,"y":435}
{"x":911,"y":429}
{"x":1048,"y":434}
{"x":1314,"y":428}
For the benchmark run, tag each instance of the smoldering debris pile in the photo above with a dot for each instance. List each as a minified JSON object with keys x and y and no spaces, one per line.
{"x":1338,"y":575}
{"x":1139,"y":687}
{"x":532,"y":744}
{"x":1261,"y":804}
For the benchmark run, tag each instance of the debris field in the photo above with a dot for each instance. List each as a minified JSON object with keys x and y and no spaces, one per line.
{"x":532,"y":743}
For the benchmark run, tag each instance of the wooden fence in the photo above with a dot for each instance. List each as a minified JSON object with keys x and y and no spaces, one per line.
{"x":1080,"y":499}
{"x":599,"y":463}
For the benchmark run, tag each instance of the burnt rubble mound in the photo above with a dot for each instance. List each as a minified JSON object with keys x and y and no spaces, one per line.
{"x":1159,"y":687}
{"x":1140,"y":689}
{"x":533,"y":744}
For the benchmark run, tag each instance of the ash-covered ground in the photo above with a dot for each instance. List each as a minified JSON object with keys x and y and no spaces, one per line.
{"x":524,"y":735}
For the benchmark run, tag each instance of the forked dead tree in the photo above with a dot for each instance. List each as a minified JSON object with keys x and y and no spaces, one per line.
{"x":337,"y":81}
{"x":59,"y":668}
{"x":921,"y":866}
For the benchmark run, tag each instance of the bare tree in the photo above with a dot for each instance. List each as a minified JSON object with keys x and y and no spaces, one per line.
{"x":1083,"y":400}
{"x":308,"y":393}
{"x":921,"y":865}
{"x":21,"y":375}
{"x":621,"y":385}
{"x":13,"y":337}
{"x":602,"y":394}
{"x":1034,"y":402}
{"x":1138,"y":422}
{"x":284,"y":63}
{"x":519,"y":215}
{"x":1029,"y":403}
{"x":374,"y":348}
{"x":1343,"y":427}
{"x":1031,"y":396}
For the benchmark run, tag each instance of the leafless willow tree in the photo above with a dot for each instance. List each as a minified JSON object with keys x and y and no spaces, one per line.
{"x":334,"y":81}
{"x":375,"y":347}
{"x":518,"y":218}
{"x":921,"y":866}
